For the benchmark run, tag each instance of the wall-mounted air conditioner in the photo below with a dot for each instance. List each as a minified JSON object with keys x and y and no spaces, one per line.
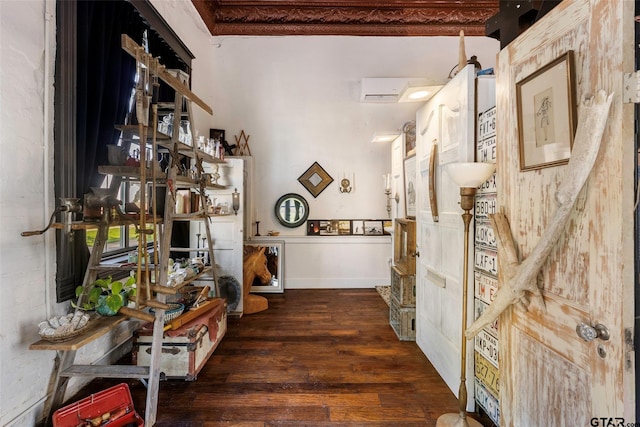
{"x":385,"y":89}
{"x":381,"y":89}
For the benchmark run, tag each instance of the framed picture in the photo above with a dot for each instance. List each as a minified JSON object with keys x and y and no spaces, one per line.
{"x":313,"y":227}
{"x":344,"y":227}
{"x":547,"y":114}
{"x":329,"y":227}
{"x":357,"y":227}
{"x":373,"y":228}
{"x":315,"y":179}
{"x":410,"y":186}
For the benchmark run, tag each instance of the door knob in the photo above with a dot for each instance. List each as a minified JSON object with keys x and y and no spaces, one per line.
{"x":416,"y":254}
{"x":590,"y":333}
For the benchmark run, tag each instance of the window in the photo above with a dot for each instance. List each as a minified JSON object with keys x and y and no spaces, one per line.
{"x":94,"y":78}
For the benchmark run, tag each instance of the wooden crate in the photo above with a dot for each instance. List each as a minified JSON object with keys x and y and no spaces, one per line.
{"x":404,"y":245}
{"x":402,"y":320}
{"x":403,"y":287}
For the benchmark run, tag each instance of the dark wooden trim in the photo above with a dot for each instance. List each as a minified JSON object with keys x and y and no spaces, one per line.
{"x":352,"y":17}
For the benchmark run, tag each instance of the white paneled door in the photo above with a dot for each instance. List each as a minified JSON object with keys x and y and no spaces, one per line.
{"x":447,"y":120}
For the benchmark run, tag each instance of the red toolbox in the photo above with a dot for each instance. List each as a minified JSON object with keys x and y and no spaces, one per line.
{"x":187,"y":349}
{"x":113,"y":406}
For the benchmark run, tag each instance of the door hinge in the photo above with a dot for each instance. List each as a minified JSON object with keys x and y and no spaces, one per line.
{"x":631,"y":87}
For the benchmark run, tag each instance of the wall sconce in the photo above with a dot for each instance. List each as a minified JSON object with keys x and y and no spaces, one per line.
{"x":235,"y":201}
{"x":468,"y":176}
{"x":347,"y":185}
{"x":386,"y":179}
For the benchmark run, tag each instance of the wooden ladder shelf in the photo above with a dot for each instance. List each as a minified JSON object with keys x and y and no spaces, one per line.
{"x":150,"y":293}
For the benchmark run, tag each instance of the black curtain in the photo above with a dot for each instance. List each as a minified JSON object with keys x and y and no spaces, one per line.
{"x":105,"y":78}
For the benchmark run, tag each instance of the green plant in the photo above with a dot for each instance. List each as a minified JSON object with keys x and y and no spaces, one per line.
{"x":106,"y":293}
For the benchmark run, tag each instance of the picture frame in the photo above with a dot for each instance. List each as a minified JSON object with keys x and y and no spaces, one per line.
{"x":315,"y":179}
{"x":373,"y":228}
{"x":410,"y":186}
{"x":344,"y":227}
{"x":547,"y":111}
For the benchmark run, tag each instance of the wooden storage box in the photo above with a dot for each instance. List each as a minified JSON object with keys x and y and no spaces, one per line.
{"x":404,"y":245}
{"x":403,"y":287}
{"x":184,"y":350}
{"x":402,"y":320}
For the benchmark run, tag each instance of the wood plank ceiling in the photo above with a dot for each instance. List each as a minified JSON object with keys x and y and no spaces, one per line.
{"x":346,"y":17}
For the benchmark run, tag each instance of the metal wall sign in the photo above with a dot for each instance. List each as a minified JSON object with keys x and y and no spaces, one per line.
{"x":488,"y":375}
{"x":485,"y":236}
{"x":485,"y":287}
{"x":486,"y":260}
{"x":487,"y":345}
{"x":479,"y":308}
{"x":487,"y":402}
{"x":486,"y":204}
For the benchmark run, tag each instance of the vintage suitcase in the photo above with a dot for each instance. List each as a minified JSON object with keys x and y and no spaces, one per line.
{"x":184,"y":350}
{"x":403,"y":287}
{"x":402,"y":320}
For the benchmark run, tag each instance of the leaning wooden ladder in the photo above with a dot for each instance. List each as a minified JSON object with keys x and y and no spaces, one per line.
{"x":153,"y":278}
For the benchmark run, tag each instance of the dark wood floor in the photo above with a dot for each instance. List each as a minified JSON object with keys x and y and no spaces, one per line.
{"x":314,"y":358}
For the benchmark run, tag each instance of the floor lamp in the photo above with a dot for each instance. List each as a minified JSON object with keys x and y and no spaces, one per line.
{"x":468,"y":176}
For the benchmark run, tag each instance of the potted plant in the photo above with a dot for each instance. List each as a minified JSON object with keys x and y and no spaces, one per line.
{"x":106,"y":296}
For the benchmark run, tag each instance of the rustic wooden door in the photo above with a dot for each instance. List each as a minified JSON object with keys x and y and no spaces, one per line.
{"x":448,"y":120}
{"x":548,"y":375}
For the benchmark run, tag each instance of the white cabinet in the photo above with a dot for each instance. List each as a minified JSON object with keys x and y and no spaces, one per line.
{"x":228,"y":228}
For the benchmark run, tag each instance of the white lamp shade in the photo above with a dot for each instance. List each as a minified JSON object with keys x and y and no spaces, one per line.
{"x":470,"y":175}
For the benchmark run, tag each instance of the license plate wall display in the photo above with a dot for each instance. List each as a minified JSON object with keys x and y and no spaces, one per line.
{"x":487,"y":390}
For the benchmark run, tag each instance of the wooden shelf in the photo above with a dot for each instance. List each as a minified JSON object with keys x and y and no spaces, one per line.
{"x":98,"y":326}
{"x":172,"y":290}
{"x":165,"y":141}
{"x":129,"y":171}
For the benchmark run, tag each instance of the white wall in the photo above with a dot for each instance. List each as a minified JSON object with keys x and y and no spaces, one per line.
{"x":297,"y":98}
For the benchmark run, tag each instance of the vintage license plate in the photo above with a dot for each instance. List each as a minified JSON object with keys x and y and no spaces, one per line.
{"x":489,"y":403}
{"x":487,"y":150}
{"x":485,"y":287}
{"x":480,"y":307}
{"x":487,"y":346}
{"x":486,"y":124}
{"x":485,"y":235}
{"x":488,"y":375}
{"x":486,"y":259}
{"x":489,"y":186}
{"x":486,"y":204}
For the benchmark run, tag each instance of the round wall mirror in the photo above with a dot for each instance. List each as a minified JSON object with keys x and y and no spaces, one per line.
{"x":292,"y":210}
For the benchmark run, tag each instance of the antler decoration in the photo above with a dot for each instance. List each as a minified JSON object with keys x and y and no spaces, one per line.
{"x":520,"y":278}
